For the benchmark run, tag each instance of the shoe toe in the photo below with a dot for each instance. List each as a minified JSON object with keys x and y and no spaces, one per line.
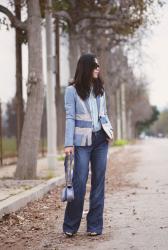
{"x":92,"y":234}
{"x":69,"y":234}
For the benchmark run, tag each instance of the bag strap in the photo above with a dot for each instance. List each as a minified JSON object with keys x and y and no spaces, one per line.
{"x":68,"y":163}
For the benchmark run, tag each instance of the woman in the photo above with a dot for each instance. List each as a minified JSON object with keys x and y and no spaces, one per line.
{"x":85,"y":137}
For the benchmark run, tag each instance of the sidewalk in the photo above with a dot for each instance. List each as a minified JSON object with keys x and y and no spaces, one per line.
{"x":135,"y":212}
{"x":15,"y":194}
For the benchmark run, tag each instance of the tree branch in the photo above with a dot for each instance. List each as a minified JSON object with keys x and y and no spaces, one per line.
{"x":63,"y":14}
{"x":96,"y":17}
{"x":14,"y":21}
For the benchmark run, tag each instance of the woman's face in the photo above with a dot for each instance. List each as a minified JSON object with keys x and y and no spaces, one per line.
{"x":96,"y":69}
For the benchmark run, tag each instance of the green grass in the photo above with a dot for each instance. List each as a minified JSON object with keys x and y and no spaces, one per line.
{"x":50,"y":175}
{"x":120,"y":143}
{"x":61,"y":158}
{"x":9,"y":147}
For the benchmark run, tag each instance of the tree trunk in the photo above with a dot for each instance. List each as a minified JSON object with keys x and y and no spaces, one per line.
{"x":29,"y":144}
{"x":104,"y":55}
{"x":74,"y":52}
{"x":129,"y":125}
{"x":118,"y":104}
{"x":123,"y":112}
{"x":19,"y":92}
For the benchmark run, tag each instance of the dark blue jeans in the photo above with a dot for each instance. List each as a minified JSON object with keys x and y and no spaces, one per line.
{"x":97,"y":155}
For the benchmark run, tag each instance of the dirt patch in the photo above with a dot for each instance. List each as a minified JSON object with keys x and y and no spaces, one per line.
{"x":119,"y":166}
{"x":39,"y":225}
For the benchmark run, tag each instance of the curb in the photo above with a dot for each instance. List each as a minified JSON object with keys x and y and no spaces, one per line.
{"x":15,"y":202}
{"x":20,"y":200}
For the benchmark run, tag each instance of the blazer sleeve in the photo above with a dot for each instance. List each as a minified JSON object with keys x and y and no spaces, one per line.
{"x":69,"y":102}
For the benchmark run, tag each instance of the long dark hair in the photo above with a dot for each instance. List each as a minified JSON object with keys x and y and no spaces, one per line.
{"x":83,"y":77}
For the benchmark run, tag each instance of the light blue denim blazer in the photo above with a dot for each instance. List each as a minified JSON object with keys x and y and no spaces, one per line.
{"x":78,"y":124}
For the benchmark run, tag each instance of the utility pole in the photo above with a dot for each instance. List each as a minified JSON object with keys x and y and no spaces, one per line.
{"x":118,"y":104}
{"x":57,"y":53}
{"x":123,"y":112}
{"x":50,"y":91}
{"x":58,"y":102}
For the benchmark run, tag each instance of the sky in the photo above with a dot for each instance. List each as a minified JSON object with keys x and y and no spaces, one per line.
{"x":7,"y":61}
{"x":155,"y":63}
{"x":154,"y":53}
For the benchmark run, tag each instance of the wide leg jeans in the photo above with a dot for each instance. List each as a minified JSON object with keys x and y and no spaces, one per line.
{"x":97,"y":155}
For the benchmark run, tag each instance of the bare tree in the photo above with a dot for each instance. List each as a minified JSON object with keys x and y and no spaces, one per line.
{"x":28,"y":149}
{"x":138,"y":105}
{"x":160,"y":126}
{"x":99,"y":26}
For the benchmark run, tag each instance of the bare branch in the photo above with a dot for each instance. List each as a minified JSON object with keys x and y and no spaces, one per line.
{"x":63,"y":14}
{"x":14,"y":21}
{"x":97,"y":17}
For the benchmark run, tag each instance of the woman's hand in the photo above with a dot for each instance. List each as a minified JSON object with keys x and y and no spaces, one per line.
{"x":69,"y":150}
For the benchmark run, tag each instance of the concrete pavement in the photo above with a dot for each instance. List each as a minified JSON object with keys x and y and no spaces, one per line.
{"x":135,"y":215}
{"x":15,"y":194}
{"x":139,"y":215}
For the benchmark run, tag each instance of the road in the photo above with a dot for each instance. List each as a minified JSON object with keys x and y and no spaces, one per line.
{"x":139,"y":216}
{"x":135,"y":216}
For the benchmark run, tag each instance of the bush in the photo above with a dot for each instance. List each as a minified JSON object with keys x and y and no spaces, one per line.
{"x":119,"y":143}
{"x":61,"y":158}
